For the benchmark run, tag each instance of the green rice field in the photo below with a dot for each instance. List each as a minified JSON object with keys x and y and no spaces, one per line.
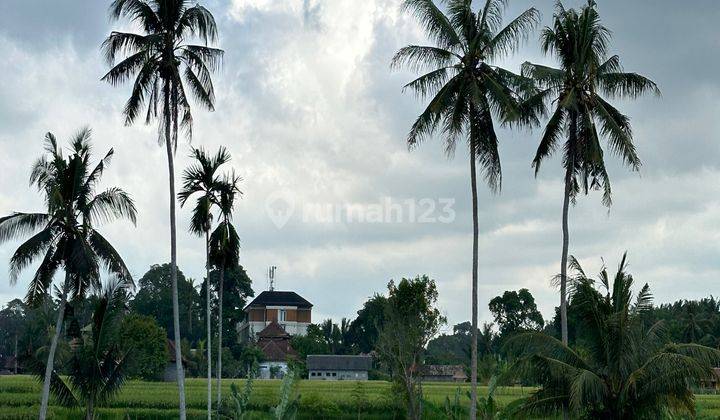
{"x":19,"y":399}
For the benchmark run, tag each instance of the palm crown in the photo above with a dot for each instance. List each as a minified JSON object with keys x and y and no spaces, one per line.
{"x":466,"y":90}
{"x":163,"y":64}
{"x":580,"y":43}
{"x":224,"y":241}
{"x":201,"y":177}
{"x":67,"y":238}
{"x":627,"y":369}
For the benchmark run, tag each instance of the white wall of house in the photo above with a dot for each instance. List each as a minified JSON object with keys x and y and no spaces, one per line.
{"x":264,"y":369}
{"x":338,"y":375}
{"x":247,"y":329}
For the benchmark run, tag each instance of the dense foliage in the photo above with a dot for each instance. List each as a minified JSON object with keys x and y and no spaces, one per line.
{"x":626,"y":369}
{"x":146,"y":341}
{"x":154,"y":298}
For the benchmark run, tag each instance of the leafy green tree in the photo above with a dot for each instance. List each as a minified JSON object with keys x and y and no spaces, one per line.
{"x":97,"y":366}
{"x":452,"y":349}
{"x":250,"y":356}
{"x":164,"y":66}
{"x":411,"y":321}
{"x":575,"y":90}
{"x":468,"y":93}
{"x":365,"y":328}
{"x":12,"y":320}
{"x":64,"y":237}
{"x":154,"y":298}
{"x":202,"y":178}
{"x":313,"y":342}
{"x":147,"y":343}
{"x":515,"y":312}
{"x":224,"y":252}
{"x":628,"y":371}
{"x":237,"y":287}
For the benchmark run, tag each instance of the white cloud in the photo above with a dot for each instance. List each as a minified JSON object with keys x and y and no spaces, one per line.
{"x":307,"y":105}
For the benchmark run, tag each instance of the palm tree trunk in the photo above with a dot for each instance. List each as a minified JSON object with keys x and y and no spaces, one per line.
{"x":473,"y":342}
{"x":566,"y":235}
{"x":51,"y":356}
{"x":90,"y":410}
{"x":209,"y":330}
{"x":173,"y":257}
{"x":564,"y":259}
{"x":16,"y":361}
{"x":566,"y":243}
{"x":220,"y":334}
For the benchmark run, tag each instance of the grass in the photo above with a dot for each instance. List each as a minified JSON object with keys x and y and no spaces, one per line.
{"x":19,"y":399}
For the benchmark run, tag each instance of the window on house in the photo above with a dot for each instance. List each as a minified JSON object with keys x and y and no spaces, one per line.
{"x":334,"y":374}
{"x":281,"y":315}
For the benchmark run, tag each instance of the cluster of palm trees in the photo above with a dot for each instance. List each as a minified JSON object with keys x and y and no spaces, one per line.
{"x":167,"y":68}
{"x":222,"y":246}
{"x":469,"y":96}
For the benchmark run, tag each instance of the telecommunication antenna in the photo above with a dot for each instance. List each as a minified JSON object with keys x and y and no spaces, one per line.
{"x":271,"y":276}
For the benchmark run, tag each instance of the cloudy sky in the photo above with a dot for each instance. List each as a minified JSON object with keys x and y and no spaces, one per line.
{"x":316,"y":122}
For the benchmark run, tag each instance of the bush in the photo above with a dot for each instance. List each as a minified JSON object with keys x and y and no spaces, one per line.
{"x":147,"y":343}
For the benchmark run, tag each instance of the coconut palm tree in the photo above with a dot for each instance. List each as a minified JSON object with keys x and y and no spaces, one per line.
{"x":97,"y":365}
{"x":467,"y":92}
{"x":64,"y":237}
{"x":628,"y":369}
{"x":202,"y":177}
{"x":167,"y":70}
{"x":224,"y":252}
{"x":575,"y":90}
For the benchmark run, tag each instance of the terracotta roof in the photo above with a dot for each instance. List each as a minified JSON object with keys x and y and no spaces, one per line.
{"x":279,"y":298}
{"x":273,"y":330}
{"x":338,"y":362}
{"x":276,"y":350}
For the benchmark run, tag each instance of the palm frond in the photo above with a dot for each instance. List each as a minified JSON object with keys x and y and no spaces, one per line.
{"x":20,"y":224}
{"x":29,"y":250}
{"x":113,"y":203}
{"x":510,"y":38}
{"x":616,"y":127}
{"x":433,"y":21}
{"x":423,"y":58}
{"x":626,"y":85}
{"x":110,"y":258}
{"x":551,"y":136}
{"x":197,"y":21}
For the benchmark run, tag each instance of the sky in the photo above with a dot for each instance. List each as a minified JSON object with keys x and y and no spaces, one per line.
{"x":316,"y":123}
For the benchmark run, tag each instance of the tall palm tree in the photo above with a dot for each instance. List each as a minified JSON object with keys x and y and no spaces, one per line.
{"x":580,"y":43}
{"x":64,"y":237}
{"x":224,"y":252}
{"x":163,"y":65}
{"x":467,"y":92}
{"x":629,"y":370}
{"x":202,"y":177}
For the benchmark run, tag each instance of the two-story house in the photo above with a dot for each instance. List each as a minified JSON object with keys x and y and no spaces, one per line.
{"x":290,"y":310}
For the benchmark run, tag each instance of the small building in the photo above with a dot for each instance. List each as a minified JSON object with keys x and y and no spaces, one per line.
{"x":170,"y":373}
{"x":290,"y":310}
{"x":10,"y":366}
{"x":443,"y":373}
{"x":713,"y":382}
{"x":338,"y":368}
{"x":274,"y":342}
